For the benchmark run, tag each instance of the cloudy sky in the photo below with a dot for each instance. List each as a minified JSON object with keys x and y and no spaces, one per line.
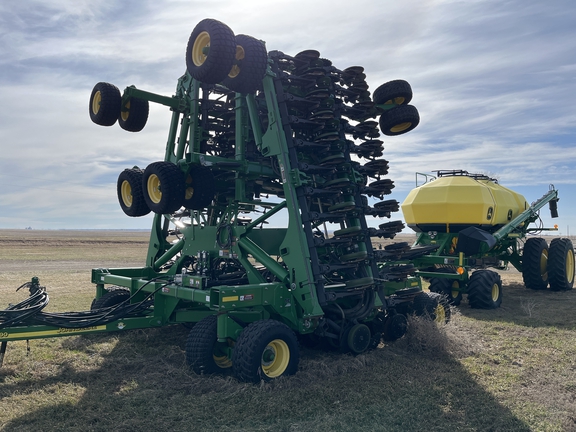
{"x":494,"y":81}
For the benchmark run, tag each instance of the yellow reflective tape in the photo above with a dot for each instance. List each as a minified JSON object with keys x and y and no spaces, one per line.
{"x":57,"y":332}
{"x":229,"y":299}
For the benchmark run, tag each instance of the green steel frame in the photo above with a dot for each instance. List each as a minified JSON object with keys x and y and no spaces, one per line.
{"x":291,"y":274}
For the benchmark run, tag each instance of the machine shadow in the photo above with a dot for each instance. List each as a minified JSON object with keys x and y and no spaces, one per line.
{"x":143,"y":384}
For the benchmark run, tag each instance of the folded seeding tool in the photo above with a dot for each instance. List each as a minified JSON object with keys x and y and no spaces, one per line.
{"x":256,"y":138}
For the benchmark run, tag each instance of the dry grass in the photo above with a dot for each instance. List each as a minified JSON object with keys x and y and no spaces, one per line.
{"x":511,"y":369}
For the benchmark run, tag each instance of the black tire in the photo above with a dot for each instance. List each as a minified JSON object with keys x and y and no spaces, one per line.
{"x":204,"y":354}
{"x":111,"y":298}
{"x":213,"y":66}
{"x":395,"y":327}
{"x":130,"y":194}
{"x":399,"y":120}
{"x":396,"y":92}
{"x":358,"y":338}
{"x":249,"y":67}
{"x":422,"y":305}
{"x":199,"y":187}
{"x":134,"y":115}
{"x":105,"y":102}
{"x":441,"y":312}
{"x":485,"y":290}
{"x":163,"y":186}
{"x":450,"y":288}
{"x":535,"y":264}
{"x":265,"y":350}
{"x":561,"y":264}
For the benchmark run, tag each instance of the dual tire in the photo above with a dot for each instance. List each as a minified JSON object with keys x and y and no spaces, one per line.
{"x":398,"y":117}
{"x":543,"y":265}
{"x":265,"y":350}
{"x":106,"y":107}
{"x":214,"y":55}
{"x":484,"y":290}
{"x":163,"y":188}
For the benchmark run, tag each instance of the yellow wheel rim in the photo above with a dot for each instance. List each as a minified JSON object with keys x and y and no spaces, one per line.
{"x":495,"y":292}
{"x":235,"y":71}
{"x":440,"y":314}
{"x":396,"y":101}
{"x":222,"y":362}
{"x":126,"y":193}
{"x":570,"y":266}
{"x":189,"y":192}
{"x":454,"y":293}
{"x":96,"y":101}
{"x":544,"y":264}
{"x":275,"y":358}
{"x":153,"y":187}
{"x":401,"y":127}
{"x":126,"y":114}
{"x":200,"y":48}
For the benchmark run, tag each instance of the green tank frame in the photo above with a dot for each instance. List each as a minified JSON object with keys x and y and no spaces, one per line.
{"x":458,"y":262}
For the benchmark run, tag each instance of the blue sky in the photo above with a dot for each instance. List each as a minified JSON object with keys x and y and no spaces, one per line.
{"x":494,"y":81}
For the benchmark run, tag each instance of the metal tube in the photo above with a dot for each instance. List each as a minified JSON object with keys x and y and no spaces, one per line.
{"x":259,"y":255}
{"x":254,"y":120}
{"x":169,"y":254}
{"x":525,"y":215}
{"x":266,"y":215}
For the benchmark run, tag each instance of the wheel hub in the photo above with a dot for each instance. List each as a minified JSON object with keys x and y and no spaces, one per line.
{"x":275,"y":358}
{"x":96,"y":101}
{"x":401,"y":127}
{"x":201,"y":48}
{"x":126,"y":112}
{"x":154,"y":191}
{"x":126,"y":193}
{"x":495,"y":292}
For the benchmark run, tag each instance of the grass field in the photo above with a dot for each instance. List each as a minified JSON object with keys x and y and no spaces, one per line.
{"x":510,"y":369}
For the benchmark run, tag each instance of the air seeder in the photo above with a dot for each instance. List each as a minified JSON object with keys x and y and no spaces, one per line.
{"x":257,"y":137}
{"x":472,"y":223}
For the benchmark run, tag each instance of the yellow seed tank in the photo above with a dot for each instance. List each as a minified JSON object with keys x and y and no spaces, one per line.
{"x":457,"y":200}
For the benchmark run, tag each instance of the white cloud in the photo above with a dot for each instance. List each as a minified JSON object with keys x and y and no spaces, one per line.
{"x":493,"y":81}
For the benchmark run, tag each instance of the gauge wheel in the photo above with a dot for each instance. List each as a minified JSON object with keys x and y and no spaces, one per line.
{"x":249,"y":67}
{"x":204,"y":354}
{"x":450,"y":288}
{"x":134,"y":115}
{"x":199,"y":187}
{"x":397,"y":92}
{"x":265,"y":350}
{"x":111,"y":298}
{"x":130,"y":194}
{"x":211,"y":51}
{"x":399,"y":120}
{"x":441,"y":312}
{"x":105,"y":101}
{"x":485,"y":290}
{"x":163,"y":185}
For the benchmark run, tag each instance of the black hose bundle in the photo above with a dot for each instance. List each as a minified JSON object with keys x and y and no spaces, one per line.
{"x":19,"y":313}
{"x":29,"y":311}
